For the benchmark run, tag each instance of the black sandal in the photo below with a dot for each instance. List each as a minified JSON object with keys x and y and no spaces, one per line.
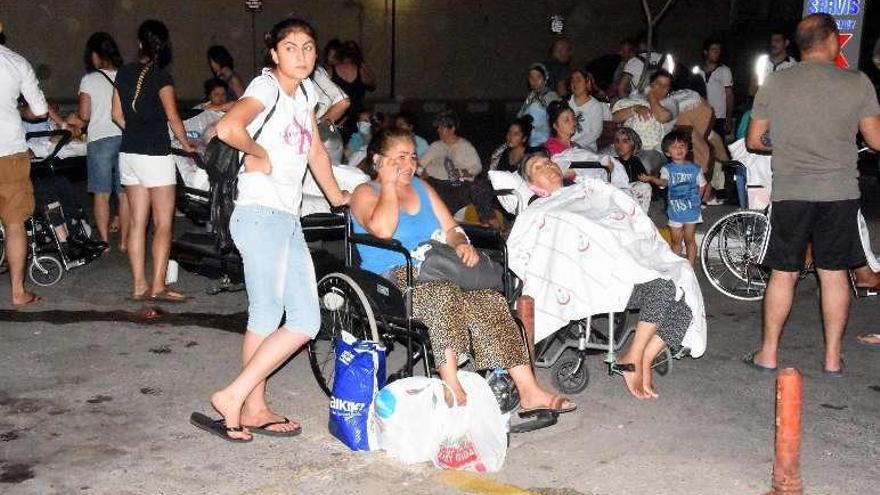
{"x":621,"y":368}
{"x":217,"y":427}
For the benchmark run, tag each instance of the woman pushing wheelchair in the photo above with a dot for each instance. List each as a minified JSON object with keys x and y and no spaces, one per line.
{"x":476,"y":323}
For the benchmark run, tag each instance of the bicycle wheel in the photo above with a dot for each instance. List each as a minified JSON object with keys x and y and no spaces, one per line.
{"x":730,"y":254}
{"x":45,"y":270}
{"x":344,"y":307}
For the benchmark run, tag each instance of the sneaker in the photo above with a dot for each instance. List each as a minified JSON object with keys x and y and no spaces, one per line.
{"x":714,"y":202}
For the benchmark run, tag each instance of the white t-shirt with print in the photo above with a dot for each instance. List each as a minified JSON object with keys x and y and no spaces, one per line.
{"x":590,"y":118}
{"x":100,"y":93}
{"x":287,"y":137}
{"x":718,"y":80}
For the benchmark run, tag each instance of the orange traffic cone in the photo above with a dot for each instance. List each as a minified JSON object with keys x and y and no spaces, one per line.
{"x":787,"y":463}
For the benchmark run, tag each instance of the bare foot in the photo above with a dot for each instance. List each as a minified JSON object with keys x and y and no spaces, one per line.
{"x":260,"y":418}
{"x":25,"y":299}
{"x":231,"y":412}
{"x":648,"y":386}
{"x":648,"y":379}
{"x":633,"y":380}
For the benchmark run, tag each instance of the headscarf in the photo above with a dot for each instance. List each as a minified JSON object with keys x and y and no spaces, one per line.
{"x":632,"y":136}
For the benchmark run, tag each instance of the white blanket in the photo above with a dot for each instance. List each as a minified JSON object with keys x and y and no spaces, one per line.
{"x":580,"y":251}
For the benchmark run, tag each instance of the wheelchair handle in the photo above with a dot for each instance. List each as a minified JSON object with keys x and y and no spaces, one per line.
{"x":66,"y":137}
{"x":189,"y":154}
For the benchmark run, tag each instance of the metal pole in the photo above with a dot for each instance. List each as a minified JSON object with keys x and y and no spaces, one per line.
{"x":393,"y":48}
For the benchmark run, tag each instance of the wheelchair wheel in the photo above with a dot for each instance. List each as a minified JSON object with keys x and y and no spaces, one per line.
{"x":663,"y":362}
{"x":570,"y":372}
{"x":730,"y":254}
{"x":344,"y":307}
{"x":45,"y":270}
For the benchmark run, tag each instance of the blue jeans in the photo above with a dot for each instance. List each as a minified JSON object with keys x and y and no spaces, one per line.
{"x":739,"y":173}
{"x":102,"y":162}
{"x":278,"y":270}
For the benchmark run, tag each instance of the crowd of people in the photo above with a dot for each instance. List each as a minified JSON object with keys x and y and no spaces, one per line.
{"x":656,"y":129}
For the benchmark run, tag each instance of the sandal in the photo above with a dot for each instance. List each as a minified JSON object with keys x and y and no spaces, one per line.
{"x":264,"y":429}
{"x":169,"y":296}
{"x":749,"y":359}
{"x":621,"y":368}
{"x":870,"y":340}
{"x":217,"y":427}
{"x":555,"y":407}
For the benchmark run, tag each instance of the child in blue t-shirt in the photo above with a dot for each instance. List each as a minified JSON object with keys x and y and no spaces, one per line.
{"x":685,"y":182}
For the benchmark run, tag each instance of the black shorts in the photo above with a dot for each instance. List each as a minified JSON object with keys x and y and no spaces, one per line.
{"x":832,"y":227}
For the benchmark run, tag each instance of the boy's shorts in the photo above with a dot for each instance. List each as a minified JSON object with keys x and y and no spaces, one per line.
{"x":832,"y":227}
{"x":677,"y":225}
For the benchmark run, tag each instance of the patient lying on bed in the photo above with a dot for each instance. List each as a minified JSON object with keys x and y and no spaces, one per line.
{"x":587,"y":249}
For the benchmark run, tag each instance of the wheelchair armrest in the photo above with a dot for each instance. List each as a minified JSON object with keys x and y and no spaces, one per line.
{"x":373,"y":241}
{"x":483,"y":237}
{"x":586,"y":165}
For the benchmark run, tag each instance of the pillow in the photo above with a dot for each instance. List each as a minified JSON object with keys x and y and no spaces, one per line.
{"x":510,"y":180}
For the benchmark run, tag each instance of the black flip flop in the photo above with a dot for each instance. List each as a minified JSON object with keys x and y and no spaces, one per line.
{"x":838,"y":373}
{"x":542,"y":420}
{"x":749,"y":359}
{"x":544,"y":411}
{"x":217,"y":427}
{"x":263,"y":429}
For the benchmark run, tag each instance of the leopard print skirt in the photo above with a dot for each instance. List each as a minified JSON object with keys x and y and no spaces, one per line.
{"x":476,"y":323}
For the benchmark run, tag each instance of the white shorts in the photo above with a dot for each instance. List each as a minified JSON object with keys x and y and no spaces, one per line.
{"x":677,"y":225}
{"x":147,"y":170}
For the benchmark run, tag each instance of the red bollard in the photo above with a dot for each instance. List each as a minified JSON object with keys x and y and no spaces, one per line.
{"x":525,"y":308}
{"x":787,"y":463}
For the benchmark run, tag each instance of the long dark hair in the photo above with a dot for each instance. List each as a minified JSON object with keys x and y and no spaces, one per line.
{"x":525,"y":127}
{"x":221,"y":55}
{"x":155,"y":42}
{"x":104,"y":46}
{"x":379,"y":144}
{"x":155,"y":46}
{"x":280,"y":31}
{"x":554,"y":111}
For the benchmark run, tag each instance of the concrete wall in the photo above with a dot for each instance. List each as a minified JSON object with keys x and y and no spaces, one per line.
{"x":455,"y":49}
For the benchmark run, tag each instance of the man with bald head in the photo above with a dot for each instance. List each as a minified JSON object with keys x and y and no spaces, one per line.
{"x":808,"y":117}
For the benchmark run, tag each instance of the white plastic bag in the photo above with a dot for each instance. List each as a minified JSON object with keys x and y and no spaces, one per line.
{"x":409,"y":415}
{"x":474,"y":436}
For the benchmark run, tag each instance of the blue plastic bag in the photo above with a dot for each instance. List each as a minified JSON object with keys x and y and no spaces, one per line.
{"x":360,"y":373}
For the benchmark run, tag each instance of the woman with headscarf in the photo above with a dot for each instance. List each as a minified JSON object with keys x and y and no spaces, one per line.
{"x":540,"y":96}
{"x":627,"y":144}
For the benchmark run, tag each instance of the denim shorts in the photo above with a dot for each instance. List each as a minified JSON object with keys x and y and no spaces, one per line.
{"x":278,"y":270}
{"x":102,"y":160}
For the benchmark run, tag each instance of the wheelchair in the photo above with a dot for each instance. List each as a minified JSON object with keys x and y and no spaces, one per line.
{"x":370,"y":307}
{"x":731,"y":252}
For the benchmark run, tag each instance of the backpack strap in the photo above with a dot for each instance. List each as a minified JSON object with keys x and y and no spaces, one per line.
{"x":111,"y":81}
{"x":268,"y":116}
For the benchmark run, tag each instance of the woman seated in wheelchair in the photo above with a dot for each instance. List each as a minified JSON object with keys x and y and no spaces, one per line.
{"x":398,"y":205}
{"x":624,"y":251}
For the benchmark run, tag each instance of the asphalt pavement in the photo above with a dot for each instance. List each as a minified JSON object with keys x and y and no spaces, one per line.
{"x":93,"y":401}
